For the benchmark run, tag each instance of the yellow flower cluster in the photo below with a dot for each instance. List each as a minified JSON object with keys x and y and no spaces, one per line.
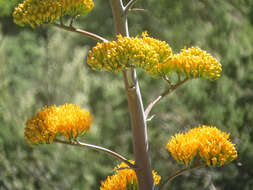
{"x":204,"y":142}
{"x":124,"y":177}
{"x":145,"y":52}
{"x":154,"y":56}
{"x":37,"y":12}
{"x":68,"y":120}
{"x":194,"y":63}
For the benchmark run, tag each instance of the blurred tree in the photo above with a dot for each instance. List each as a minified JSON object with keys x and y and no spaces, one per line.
{"x":6,"y":7}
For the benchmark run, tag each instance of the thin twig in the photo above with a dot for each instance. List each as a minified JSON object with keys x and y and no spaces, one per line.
{"x":166,"y":92}
{"x":150,"y":118}
{"x":96,"y":147}
{"x":72,"y":20}
{"x":177,"y":173}
{"x":61,"y":21}
{"x":129,"y":6}
{"x":136,"y":10}
{"x":83,"y":32}
{"x":178,"y":77}
{"x":167,"y":80}
{"x":123,"y":168}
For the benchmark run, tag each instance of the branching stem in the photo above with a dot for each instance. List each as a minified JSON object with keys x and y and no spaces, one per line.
{"x":72,"y":20}
{"x":135,"y":105}
{"x":177,"y":173}
{"x":178,"y":77}
{"x":96,"y":147}
{"x":83,"y":32}
{"x":136,"y":10}
{"x":171,"y":89}
{"x":129,"y":6}
{"x":167,"y":80}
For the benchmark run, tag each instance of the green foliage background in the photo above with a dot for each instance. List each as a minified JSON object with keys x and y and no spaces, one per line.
{"x":47,"y":66}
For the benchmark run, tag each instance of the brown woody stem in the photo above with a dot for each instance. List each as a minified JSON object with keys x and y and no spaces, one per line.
{"x":129,"y":5}
{"x":79,"y":31}
{"x":136,"y":10}
{"x":135,"y":105}
{"x":177,"y":173}
{"x":165,"y":93}
{"x":96,"y":147}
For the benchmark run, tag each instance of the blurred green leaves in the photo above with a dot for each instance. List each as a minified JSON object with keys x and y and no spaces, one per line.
{"x":6,"y":7}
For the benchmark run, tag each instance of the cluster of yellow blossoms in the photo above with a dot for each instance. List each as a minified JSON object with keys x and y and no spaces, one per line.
{"x":68,"y":120}
{"x":206,"y":143}
{"x":37,"y":12}
{"x":143,"y":52}
{"x":124,"y":178}
{"x":194,"y":63}
{"x":154,"y":56}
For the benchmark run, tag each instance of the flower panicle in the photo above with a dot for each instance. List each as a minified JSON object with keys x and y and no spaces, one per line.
{"x":196,"y":63}
{"x":67,"y":120}
{"x":124,"y":178}
{"x":155,"y":57}
{"x":206,"y":143}
{"x":144,"y":52}
{"x":37,"y":12}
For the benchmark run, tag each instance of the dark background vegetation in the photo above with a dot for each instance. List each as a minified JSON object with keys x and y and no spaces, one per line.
{"x":47,"y":66}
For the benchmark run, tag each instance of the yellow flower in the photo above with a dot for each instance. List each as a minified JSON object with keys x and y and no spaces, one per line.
{"x":194,"y":63}
{"x":154,"y":56}
{"x":124,"y":177}
{"x":37,"y":12}
{"x":205,"y":142}
{"x":68,"y":120}
{"x":145,"y":52}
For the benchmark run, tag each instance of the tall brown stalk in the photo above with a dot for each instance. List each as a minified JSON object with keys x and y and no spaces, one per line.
{"x":138,"y":120}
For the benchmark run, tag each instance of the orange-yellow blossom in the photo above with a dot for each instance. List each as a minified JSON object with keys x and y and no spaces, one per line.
{"x":154,"y":56}
{"x":68,"y":120}
{"x":207,"y":143}
{"x":123,"y":178}
{"x":193,"y":63}
{"x":145,"y":53}
{"x":37,"y":12}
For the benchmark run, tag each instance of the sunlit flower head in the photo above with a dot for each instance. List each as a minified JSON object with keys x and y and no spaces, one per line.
{"x":124,"y":177}
{"x":145,"y":53}
{"x":68,"y":120}
{"x":37,"y":12}
{"x":206,"y":143}
{"x":193,"y":63}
